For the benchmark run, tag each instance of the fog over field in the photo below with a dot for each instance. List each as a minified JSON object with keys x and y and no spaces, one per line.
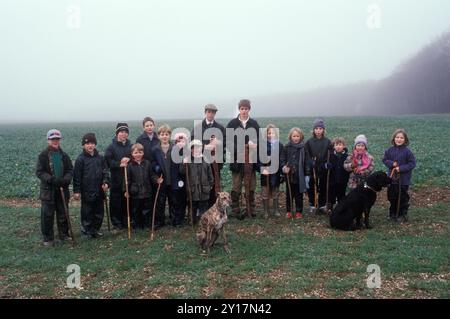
{"x":101,"y":60}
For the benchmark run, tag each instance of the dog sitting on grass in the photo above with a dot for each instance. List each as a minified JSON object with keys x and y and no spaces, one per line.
{"x":212,"y":223}
{"x":348,"y":213}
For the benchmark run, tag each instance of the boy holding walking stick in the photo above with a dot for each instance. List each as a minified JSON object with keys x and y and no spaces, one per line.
{"x":54,"y":169}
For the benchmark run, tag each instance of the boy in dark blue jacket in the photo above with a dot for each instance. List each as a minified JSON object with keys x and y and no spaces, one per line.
{"x":117,"y":156}
{"x":90,"y":182}
{"x":173,"y":187}
{"x":141,"y":179}
{"x":338,"y":175}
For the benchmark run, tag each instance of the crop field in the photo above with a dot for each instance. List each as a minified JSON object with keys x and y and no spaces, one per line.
{"x":275,"y":258}
{"x":430,"y":137}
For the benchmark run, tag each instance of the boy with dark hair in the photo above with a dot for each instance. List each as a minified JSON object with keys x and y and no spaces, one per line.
{"x":90,"y":182}
{"x":117,"y":156}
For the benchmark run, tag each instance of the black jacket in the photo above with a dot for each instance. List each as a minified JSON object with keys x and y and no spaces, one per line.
{"x":113,"y":155}
{"x":318,"y":149}
{"x":235,"y":124}
{"x":140,"y":179}
{"x":338,"y":174}
{"x":291,"y":157}
{"x":148,"y":144}
{"x":91,"y":171}
{"x":176,"y":177}
{"x":215,"y":125}
{"x":274,"y":179}
{"x":44,"y":171}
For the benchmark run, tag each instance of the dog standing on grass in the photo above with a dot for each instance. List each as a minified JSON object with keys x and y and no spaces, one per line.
{"x":212,"y":223}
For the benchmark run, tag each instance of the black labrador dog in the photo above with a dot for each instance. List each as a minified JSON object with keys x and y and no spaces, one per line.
{"x":348,"y":213}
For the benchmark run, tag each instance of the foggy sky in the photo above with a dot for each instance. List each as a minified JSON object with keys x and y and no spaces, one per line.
{"x":168,"y":58}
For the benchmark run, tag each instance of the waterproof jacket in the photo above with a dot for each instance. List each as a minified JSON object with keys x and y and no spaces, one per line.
{"x":113,"y":155}
{"x":140,"y":179}
{"x":46,"y":174}
{"x":90,"y":172}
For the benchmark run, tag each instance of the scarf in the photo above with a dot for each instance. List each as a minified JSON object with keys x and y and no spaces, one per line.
{"x":361,"y":161}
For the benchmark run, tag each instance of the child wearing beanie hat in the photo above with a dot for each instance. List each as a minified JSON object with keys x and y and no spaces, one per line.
{"x":117,"y":155}
{"x":359,"y":163}
{"x":317,"y":150}
{"x":90,"y":183}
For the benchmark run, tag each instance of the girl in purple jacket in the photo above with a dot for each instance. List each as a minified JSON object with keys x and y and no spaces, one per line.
{"x":400,"y":161}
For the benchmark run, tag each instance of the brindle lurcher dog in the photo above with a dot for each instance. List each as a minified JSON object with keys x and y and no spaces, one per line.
{"x":212,"y":223}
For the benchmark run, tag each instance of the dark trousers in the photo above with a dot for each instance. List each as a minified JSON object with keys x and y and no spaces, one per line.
{"x":177,"y":206}
{"x":212,"y":194}
{"x":393,"y":193}
{"x":118,"y":209}
{"x":199,"y":208}
{"x":321,"y":189}
{"x":141,"y":212}
{"x":48,"y":210}
{"x":297,"y":197}
{"x":91,"y":216}
{"x":337,"y":193}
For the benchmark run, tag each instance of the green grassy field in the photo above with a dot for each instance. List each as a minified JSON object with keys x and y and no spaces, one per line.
{"x":429,"y":136}
{"x":269,"y":259}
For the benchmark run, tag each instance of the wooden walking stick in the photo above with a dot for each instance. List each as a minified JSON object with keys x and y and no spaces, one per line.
{"x":248,"y":168}
{"x":107,"y":211}
{"x":288,"y":183}
{"x":128,"y":202}
{"x":152,"y":234}
{"x":188,"y":190}
{"x":328,"y":184}
{"x":66,"y":212}
{"x":215,"y":167}
{"x":399,"y":196}
{"x":316,"y":197}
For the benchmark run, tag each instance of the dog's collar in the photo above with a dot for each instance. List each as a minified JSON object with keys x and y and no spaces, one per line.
{"x":368,"y":187}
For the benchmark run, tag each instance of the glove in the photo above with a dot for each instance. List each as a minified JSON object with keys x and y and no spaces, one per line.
{"x":307,"y":178}
{"x":328,"y":165}
{"x":58,"y":182}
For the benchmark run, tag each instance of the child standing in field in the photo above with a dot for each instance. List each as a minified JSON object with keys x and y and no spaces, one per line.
{"x":400,"y":161}
{"x":172,"y":189}
{"x":317,"y":151}
{"x":293,"y":163}
{"x":117,"y":156}
{"x":270,"y":181}
{"x":201,"y":179}
{"x":90,"y":183}
{"x":359,"y":163}
{"x":140,"y":180}
{"x":54,"y":169}
{"x":148,"y":139}
{"x":338,"y":175}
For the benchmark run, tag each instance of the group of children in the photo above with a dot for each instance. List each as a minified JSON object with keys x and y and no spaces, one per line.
{"x":134,"y":173}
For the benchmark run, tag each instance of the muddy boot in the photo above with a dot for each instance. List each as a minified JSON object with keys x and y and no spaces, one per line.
{"x":276,"y":208}
{"x":266,"y":208}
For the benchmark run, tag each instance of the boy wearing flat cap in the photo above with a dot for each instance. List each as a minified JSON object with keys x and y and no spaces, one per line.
{"x":90,"y":182}
{"x":117,"y":156}
{"x":54,"y":169}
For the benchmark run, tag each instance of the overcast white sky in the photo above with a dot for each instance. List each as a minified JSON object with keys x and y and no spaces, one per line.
{"x":126,"y":59}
